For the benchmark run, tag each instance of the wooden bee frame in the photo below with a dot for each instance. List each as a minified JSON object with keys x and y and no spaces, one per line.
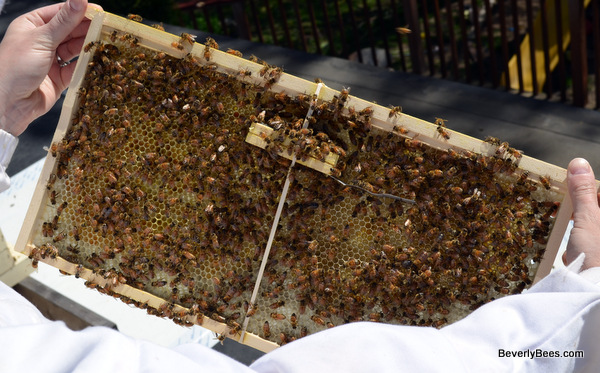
{"x":389,"y":121}
{"x":258,"y":130}
{"x":14,"y":266}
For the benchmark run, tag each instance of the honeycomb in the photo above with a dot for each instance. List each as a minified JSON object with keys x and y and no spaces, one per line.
{"x":155,"y":187}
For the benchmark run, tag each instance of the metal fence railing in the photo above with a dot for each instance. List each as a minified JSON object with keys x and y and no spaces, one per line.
{"x":546,"y":48}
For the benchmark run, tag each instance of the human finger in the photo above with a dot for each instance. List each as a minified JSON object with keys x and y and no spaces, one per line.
{"x":70,"y":49}
{"x":65,"y":21}
{"x":56,"y":82}
{"x":80,"y":30}
{"x":585,"y":233}
{"x":66,"y":74}
{"x":583,"y":191}
{"x":43,"y":15}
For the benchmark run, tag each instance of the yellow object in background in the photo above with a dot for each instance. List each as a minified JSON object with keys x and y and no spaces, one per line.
{"x":539,"y":51}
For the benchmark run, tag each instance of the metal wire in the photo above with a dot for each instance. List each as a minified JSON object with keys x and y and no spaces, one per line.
{"x":383,"y":195}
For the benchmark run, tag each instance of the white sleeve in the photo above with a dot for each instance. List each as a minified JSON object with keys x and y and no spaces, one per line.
{"x":31,"y":343}
{"x":592,"y":274}
{"x":8,"y":144}
{"x":560,"y":314}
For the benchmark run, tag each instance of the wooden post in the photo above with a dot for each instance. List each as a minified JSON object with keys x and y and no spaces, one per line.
{"x":411,"y":15}
{"x":240,"y":19}
{"x":578,"y":52}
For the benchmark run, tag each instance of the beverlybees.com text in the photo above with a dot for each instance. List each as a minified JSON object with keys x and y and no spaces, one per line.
{"x":539,"y":353}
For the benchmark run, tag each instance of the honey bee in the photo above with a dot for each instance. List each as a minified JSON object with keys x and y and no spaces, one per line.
{"x":188,"y":255}
{"x":220,"y":337}
{"x":51,"y":181}
{"x":90,"y":45}
{"x":210,"y":43}
{"x":492,"y":140}
{"x":133,"y":41}
{"x":73,"y":249}
{"x":159,"y":284}
{"x":191,"y":39}
{"x":113,"y":36}
{"x":440,"y":122}
{"x":277,"y":305}
{"x":59,"y":237}
{"x":47,"y":229}
{"x":266,"y":330}
{"x":443,"y":132}
{"x":403,"y":30}
{"x":502,"y":148}
{"x":177,"y":45}
{"x":400,"y":129}
{"x":158,"y":75}
{"x":76,"y":233}
{"x":251,"y":310}
{"x":523,"y":178}
{"x":235,"y":329}
{"x":395,"y":111}
{"x":234,"y":52}
{"x":111,"y":112}
{"x":366,"y":111}
{"x":61,"y":208}
{"x":456,"y":190}
{"x":78,"y":270}
{"x":277,"y":316}
{"x":53,"y":195}
{"x":206,"y":53}
{"x":344,"y":93}
{"x":517,"y":154}
{"x":135,"y":17}
{"x":303,"y":331}
{"x":140,"y":194}
{"x":317,"y":319}
{"x":294,"y":320}
{"x":545,"y":181}
{"x":303,"y":99}
{"x":244,"y":72}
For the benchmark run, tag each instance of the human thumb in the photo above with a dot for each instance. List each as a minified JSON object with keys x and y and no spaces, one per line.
{"x":585,"y":234}
{"x":582,"y":188}
{"x":65,"y":21}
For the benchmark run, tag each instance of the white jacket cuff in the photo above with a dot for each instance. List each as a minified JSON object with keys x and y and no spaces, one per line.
{"x":8,"y":144}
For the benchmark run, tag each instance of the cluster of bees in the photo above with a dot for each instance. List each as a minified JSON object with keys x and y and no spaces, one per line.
{"x":155,"y":187}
